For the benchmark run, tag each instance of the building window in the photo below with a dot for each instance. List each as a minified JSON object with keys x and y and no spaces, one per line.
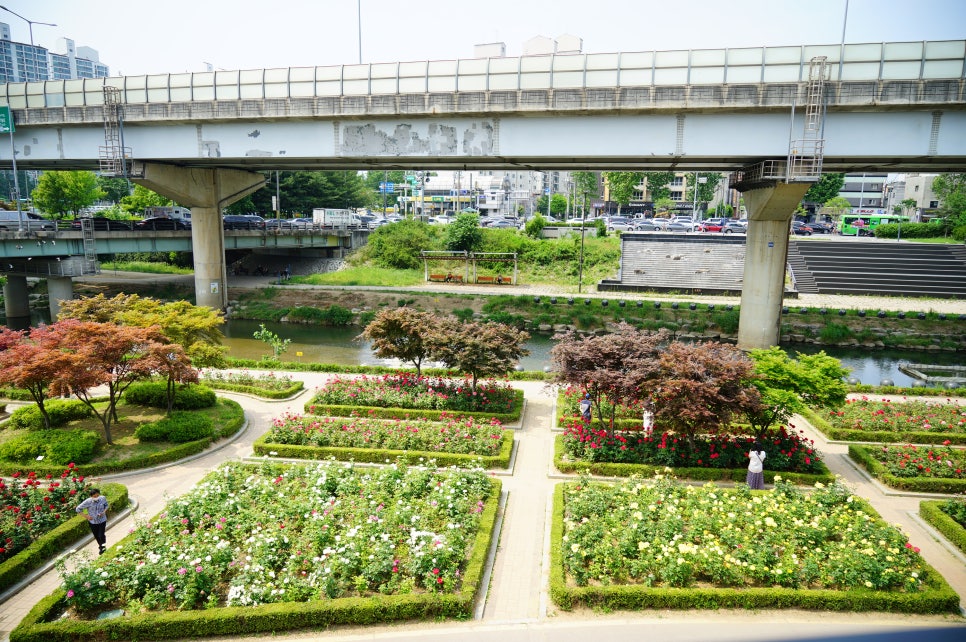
{"x":677,"y":181}
{"x":933,"y":204}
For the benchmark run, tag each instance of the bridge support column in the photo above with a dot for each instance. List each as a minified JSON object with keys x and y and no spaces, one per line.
{"x":60,"y":288}
{"x":16,"y":303}
{"x":770,"y":211}
{"x":206,"y":192}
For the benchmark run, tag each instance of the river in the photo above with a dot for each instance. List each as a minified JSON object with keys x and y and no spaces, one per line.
{"x":338,"y":345}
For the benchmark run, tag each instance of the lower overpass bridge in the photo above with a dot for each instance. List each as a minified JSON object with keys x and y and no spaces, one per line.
{"x":60,"y":255}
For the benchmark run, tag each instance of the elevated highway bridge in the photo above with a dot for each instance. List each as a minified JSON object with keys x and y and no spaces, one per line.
{"x":199,"y":138}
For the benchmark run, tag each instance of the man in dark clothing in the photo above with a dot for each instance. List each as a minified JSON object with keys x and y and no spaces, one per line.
{"x":96,"y":508}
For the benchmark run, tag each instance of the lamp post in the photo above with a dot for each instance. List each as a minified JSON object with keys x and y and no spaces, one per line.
{"x":583,"y":231}
{"x":30,"y":23}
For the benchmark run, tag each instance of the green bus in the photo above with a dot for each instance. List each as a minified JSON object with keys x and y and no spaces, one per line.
{"x":865,"y":224}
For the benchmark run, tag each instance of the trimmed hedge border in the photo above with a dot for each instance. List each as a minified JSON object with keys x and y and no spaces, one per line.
{"x":239,"y":620}
{"x":862,"y":455}
{"x":939,"y":597}
{"x":54,"y":541}
{"x":884,"y":436}
{"x":949,"y":527}
{"x":607,"y":469}
{"x":298,"y":366}
{"x":296,"y":387}
{"x":327,"y":410}
{"x":379,"y":456}
{"x":180,"y":451}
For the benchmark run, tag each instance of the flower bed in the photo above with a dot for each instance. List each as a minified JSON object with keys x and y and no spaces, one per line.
{"x":567,"y":464}
{"x":276,"y":547}
{"x":639,"y":545}
{"x":455,"y":441}
{"x":933,"y":469}
{"x":948,"y":517}
{"x":398,"y":395}
{"x":568,"y":411}
{"x":921,"y":422}
{"x":268,"y":385}
{"x":37,"y":519}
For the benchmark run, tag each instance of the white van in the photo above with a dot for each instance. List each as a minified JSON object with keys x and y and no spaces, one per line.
{"x":10,"y":222}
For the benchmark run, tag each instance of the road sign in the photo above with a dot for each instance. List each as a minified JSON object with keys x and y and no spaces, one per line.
{"x":6,"y":120}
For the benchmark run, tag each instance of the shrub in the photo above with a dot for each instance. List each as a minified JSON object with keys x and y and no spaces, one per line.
{"x":727,"y":321}
{"x":58,"y":447}
{"x":179,"y":428}
{"x":60,"y":411}
{"x":155,"y":395}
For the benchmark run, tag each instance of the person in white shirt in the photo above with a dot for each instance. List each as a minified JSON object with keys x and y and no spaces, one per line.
{"x":756,"y":459}
{"x":95,"y":508}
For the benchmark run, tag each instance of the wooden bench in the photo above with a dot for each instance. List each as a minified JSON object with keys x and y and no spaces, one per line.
{"x":493,"y":279}
{"x":453,"y":278}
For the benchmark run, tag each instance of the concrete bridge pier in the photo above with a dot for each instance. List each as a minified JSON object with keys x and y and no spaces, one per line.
{"x":59,"y":288}
{"x":206,"y":192}
{"x":770,"y":211}
{"x":16,"y":303}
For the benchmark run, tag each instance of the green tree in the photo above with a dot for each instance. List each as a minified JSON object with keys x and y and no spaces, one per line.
{"x":788,"y":385}
{"x":464,"y":234}
{"x":906,"y":205}
{"x":398,"y":246}
{"x":479,"y":349}
{"x":951,"y":190}
{"x":657,"y":184}
{"x":586,"y":183}
{"x":141,"y":198}
{"x":278,"y":344}
{"x":558,"y":205}
{"x":706,"y":189}
{"x":62,"y":193}
{"x":827,"y":188}
{"x":836,"y":207}
{"x":402,"y":333}
{"x":114,"y":188}
{"x":663,"y":205}
{"x":623,"y":186}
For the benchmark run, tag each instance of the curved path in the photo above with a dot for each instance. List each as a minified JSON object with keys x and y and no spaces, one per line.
{"x":517,"y":605}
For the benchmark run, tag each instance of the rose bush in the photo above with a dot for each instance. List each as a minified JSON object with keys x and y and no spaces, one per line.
{"x":786,"y":450}
{"x":249,"y":535}
{"x":922,"y":461}
{"x":31,"y":506}
{"x":452,"y":434}
{"x":667,"y":534}
{"x":264,"y":381}
{"x":906,"y":416}
{"x":406,"y":390}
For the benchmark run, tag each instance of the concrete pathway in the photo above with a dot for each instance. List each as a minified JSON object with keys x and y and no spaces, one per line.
{"x":517,"y":606}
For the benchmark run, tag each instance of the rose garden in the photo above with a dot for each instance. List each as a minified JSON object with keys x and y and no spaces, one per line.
{"x":379,"y":498}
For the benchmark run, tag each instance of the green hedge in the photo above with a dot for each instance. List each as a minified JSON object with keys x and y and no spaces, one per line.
{"x":373,"y":455}
{"x":174,"y":453}
{"x":246,"y":620}
{"x":55,"y":541}
{"x":881,"y":436}
{"x":403,"y":413}
{"x":60,"y":411}
{"x":297,"y":386}
{"x":863,"y":456}
{"x":949,"y":527}
{"x":938,"y":597}
{"x":706,"y":474}
{"x":299,"y":366}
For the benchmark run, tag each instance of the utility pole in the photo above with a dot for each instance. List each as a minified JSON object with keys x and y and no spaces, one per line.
{"x":583,"y":231}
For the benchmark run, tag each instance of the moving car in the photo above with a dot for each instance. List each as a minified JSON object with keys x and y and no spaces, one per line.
{"x":100,"y":223}
{"x":162,"y":223}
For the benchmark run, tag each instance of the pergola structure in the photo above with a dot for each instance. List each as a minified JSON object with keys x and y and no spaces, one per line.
{"x":466,"y":264}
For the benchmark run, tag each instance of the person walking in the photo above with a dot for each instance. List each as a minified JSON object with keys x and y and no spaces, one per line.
{"x":585,"y":405}
{"x":756,"y":459}
{"x":95,"y":507}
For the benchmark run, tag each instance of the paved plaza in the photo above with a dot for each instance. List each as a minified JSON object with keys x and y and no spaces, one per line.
{"x":517,"y":605}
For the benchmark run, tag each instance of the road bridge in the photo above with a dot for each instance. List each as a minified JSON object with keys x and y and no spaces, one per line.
{"x":199,"y":138}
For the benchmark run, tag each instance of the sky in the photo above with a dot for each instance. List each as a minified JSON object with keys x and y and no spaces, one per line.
{"x":137,"y":37}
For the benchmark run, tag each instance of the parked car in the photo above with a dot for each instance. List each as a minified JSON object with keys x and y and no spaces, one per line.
{"x":652,"y":224}
{"x":100,"y":223}
{"x":680,"y":226}
{"x":621,"y":224}
{"x":243,"y":222}
{"x":279,"y":224}
{"x":712,"y":225}
{"x":303,"y":223}
{"x":11,"y":220}
{"x":801,"y":229}
{"x":822,"y":228}
{"x":502,"y":223}
{"x":734,"y":227}
{"x":162,"y":223}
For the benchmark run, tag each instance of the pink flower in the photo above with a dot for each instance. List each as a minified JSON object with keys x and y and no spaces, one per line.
{"x":70,"y":593}
{"x":182,"y":571}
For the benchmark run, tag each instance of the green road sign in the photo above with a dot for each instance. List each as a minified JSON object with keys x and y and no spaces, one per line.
{"x":6,"y":120}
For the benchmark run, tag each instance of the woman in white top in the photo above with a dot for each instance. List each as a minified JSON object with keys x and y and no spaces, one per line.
{"x":756,"y":458}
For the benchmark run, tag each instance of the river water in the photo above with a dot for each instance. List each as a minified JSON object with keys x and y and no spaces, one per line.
{"x":338,"y":346}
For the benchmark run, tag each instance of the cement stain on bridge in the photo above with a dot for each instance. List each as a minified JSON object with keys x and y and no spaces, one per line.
{"x":467,"y":138}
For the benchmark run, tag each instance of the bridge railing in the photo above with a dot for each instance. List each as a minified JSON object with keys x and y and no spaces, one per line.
{"x":854,"y":66}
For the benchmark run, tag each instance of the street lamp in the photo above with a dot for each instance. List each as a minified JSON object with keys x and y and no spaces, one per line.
{"x":583,"y":230}
{"x":30,"y":23}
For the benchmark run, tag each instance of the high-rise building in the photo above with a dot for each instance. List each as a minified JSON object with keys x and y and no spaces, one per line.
{"x":864,"y":190}
{"x":22,"y":62}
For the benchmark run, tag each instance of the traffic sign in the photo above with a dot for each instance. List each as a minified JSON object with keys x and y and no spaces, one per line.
{"x":6,"y":120}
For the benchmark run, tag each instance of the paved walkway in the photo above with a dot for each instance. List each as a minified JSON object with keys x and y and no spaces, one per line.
{"x":517,"y":605}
